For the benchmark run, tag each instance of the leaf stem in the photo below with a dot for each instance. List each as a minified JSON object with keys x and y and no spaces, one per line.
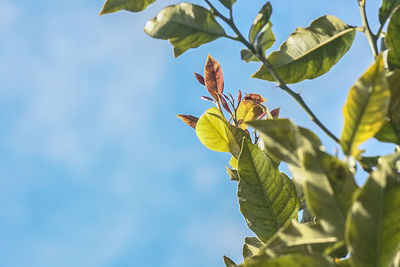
{"x":281,"y":84}
{"x":372,"y":38}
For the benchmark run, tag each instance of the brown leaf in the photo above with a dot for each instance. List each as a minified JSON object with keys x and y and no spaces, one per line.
{"x":214,"y":79}
{"x":256,"y":98}
{"x":225,"y":105}
{"x":189,"y":120}
{"x":239,"y":96}
{"x":199,"y":78}
{"x":275,"y":112}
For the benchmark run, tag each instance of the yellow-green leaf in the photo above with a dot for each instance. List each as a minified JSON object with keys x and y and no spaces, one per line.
{"x":217,"y":134}
{"x":248,"y":110}
{"x":365,"y":108}
{"x":310,"y":52}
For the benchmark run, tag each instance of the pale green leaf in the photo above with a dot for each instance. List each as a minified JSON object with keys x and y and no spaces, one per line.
{"x":111,"y":6}
{"x":373,"y":228}
{"x":260,"y":21}
{"x":185,"y":26}
{"x":267,"y":197}
{"x":247,"y":56}
{"x":365,"y":108}
{"x":310,"y":52}
{"x":393,"y":40}
{"x":289,"y":260}
{"x":217,"y":134}
{"x":386,"y":9}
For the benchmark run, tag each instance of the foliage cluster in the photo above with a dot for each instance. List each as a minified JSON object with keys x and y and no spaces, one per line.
{"x":319,"y":216}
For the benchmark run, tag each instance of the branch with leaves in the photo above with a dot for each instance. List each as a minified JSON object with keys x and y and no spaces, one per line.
{"x":319,"y":216}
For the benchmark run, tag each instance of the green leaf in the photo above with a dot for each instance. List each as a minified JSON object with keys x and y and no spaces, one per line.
{"x":297,"y":260}
{"x":390,"y":131}
{"x":310,"y":52}
{"x":228,"y":3}
{"x":185,"y":26}
{"x":260,"y":21}
{"x":284,"y":139}
{"x":228,"y":262}
{"x":393,"y":40}
{"x":373,"y":228}
{"x":386,"y":9}
{"x":365,"y":108}
{"x":297,"y":237}
{"x":111,"y":6}
{"x":267,"y":197}
{"x":217,"y":134}
{"x":265,"y":40}
{"x":251,"y":247}
{"x":329,"y":187}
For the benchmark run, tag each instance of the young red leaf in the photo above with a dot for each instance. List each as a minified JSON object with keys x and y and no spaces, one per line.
{"x":256,"y":98}
{"x":199,"y":78}
{"x":206,"y":98}
{"x":214,"y":79}
{"x":189,"y":120}
{"x":239,"y":97}
{"x":225,"y":105}
{"x":275,"y":112}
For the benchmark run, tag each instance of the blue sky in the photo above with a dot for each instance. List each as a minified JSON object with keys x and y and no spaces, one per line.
{"x":95,"y":168}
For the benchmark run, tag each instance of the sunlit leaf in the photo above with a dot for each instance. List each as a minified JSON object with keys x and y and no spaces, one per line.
{"x":185,"y":26}
{"x":267,"y":197}
{"x":365,"y":108}
{"x":310,"y":52}
{"x":111,"y":6}
{"x":248,"y":110}
{"x":373,"y":228}
{"x":393,"y":40}
{"x":217,"y":134}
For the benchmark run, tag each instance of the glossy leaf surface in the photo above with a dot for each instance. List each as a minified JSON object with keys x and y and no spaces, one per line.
{"x":310,"y":52}
{"x":213,"y":77}
{"x":185,"y":26}
{"x":365,"y":108}
{"x":267,"y":197}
